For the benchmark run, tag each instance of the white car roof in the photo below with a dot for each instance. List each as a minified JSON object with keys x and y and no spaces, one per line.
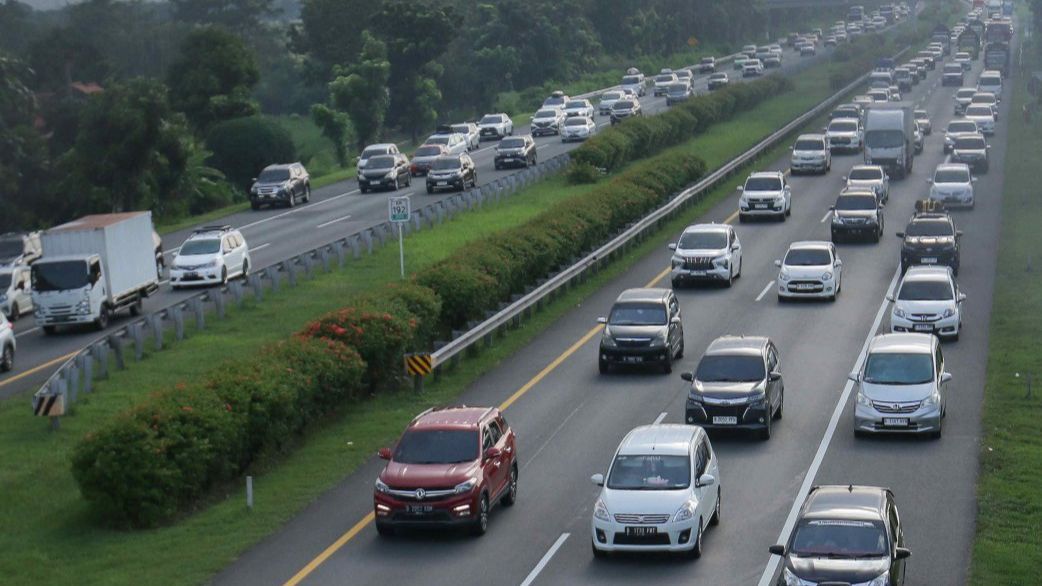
{"x":810,"y":245}
{"x":663,"y":439}
{"x":706,"y":228}
{"x":925,"y":273}
{"x":903,"y":343}
{"x":776,"y":174}
{"x":953,"y":167}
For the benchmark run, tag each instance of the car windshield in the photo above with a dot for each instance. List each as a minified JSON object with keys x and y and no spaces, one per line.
{"x":808,"y":257}
{"x":201,"y":246}
{"x":979,"y":111}
{"x":491,"y":119}
{"x":576,"y":104}
{"x":894,"y":368}
{"x":576,"y":121}
{"x":461,"y":128}
{"x":703,"y":240}
{"x":763,"y":184}
{"x":809,"y":145}
{"x":708,"y":60}
{"x":373,"y":151}
{"x":638,"y":314}
{"x":427,"y":151}
{"x":59,"y":276}
{"x":730,"y":369}
{"x":718,"y":76}
{"x":663,"y":78}
{"x":11,"y":248}
{"x":930,"y":228}
{"x":884,"y":139}
{"x":952,"y":175}
{"x":381,"y":162}
{"x":926,"y":291}
{"x":962,"y":126}
{"x":611,"y":96}
{"x":921,"y":115}
{"x":622,"y":105}
{"x":631,"y":80}
{"x":552,"y":101}
{"x":5,"y":281}
{"x":437,"y":446}
{"x":512,"y":143}
{"x":546,"y":114}
{"x":843,"y":126}
{"x":983,"y":99}
{"x":273,"y":175}
{"x":856,"y":202}
{"x":839,"y":538}
{"x":650,"y":472}
{"x":445,"y":164}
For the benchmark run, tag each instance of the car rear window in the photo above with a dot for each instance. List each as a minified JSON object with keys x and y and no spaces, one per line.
{"x":437,"y":446}
{"x":952,"y":175}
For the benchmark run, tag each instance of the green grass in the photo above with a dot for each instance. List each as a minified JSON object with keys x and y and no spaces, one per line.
{"x":50,"y":535}
{"x":1008,"y":544}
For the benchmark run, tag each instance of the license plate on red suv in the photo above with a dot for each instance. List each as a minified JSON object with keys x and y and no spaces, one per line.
{"x":420,"y":508}
{"x":641,"y":531}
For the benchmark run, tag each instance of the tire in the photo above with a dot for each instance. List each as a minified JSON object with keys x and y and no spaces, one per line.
{"x":137,"y":308}
{"x":397,"y":184}
{"x":15,"y":312}
{"x":878,"y":234}
{"x":680,"y":353}
{"x":292,"y":202}
{"x":498,"y":167}
{"x":510,"y":497}
{"x":430,"y":190}
{"x":254,"y":206}
{"x":715,"y":519}
{"x":765,"y":433}
{"x":781,"y":406}
{"x":696,"y":551}
{"x":835,"y":237}
{"x":480,"y":526}
{"x":788,"y":210}
{"x":603,"y":367}
{"x":50,"y":330}
{"x":384,"y":530}
{"x":307,"y":193}
{"x":741,"y":218}
{"x":7,"y":359}
{"x":103,"y":318}
{"x":667,"y":364}
{"x":730,"y":280}
{"x":364,"y":189}
{"x":738,"y":275}
{"x":245,"y":269}
{"x":224,"y":275}
{"x":598,"y":553}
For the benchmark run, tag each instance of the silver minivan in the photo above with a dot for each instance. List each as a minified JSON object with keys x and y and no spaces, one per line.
{"x":902,"y":387}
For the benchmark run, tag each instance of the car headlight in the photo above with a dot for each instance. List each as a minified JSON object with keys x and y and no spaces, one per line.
{"x":694,"y":395}
{"x":863,"y":399}
{"x":389,"y":175}
{"x":783,"y":275}
{"x":826,"y":277}
{"x":465,"y":487}
{"x":608,"y":341}
{"x":685,"y":512}
{"x":211,"y":263}
{"x":794,"y":580}
{"x":677,"y":261}
{"x":601,"y":511}
{"x":899,"y":312}
{"x":723,"y":261}
{"x":933,"y":400}
{"x":3,"y":297}
{"x":949,"y":312}
{"x":659,"y":339}
{"x":881,"y":580}
{"x":837,"y":219}
{"x":381,"y":487}
{"x":361,"y":177}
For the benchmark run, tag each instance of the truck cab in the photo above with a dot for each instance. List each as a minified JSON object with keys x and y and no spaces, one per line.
{"x":69,"y":290}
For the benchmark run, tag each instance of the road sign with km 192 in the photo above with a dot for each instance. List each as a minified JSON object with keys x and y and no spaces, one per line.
{"x":398,"y":209}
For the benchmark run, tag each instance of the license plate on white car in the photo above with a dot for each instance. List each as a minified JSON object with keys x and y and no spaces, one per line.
{"x":804,"y":287}
{"x":641,"y":531}
{"x":922,"y":328}
{"x":895,"y":421}
{"x":722,"y":420}
{"x":760,"y":206}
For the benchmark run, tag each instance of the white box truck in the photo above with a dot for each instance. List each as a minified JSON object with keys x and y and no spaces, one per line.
{"x":890,"y":137}
{"x":93,"y":267}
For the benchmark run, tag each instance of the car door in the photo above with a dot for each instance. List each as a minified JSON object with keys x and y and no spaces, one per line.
{"x":736,"y":251}
{"x":228,"y":254}
{"x":492,"y":467}
{"x":23,"y":292}
{"x":676,"y":329}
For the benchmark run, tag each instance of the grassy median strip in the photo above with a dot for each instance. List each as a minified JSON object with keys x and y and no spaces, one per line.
{"x":1008,"y":545}
{"x":50,"y":534}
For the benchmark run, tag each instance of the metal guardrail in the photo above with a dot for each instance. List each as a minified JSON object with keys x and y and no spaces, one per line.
{"x":592,"y":261}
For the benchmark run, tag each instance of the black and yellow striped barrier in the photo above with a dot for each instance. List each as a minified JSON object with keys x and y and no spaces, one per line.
{"x":419,"y":364}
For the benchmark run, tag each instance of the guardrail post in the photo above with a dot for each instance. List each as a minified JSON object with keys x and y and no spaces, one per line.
{"x":138,"y":334}
{"x":291,"y":272}
{"x":178,"y":316}
{"x":258,"y":287}
{"x":116,"y":342}
{"x":218,"y":303}
{"x":72,"y":381}
{"x":102,"y":351}
{"x":367,"y":237}
{"x":155,"y":321}
{"x":87,"y":364}
{"x":379,"y":234}
{"x":439,"y":212}
{"x":306,"y":262}
{"x":197,"y":309}
{"x":236,"y":289}
{"x":323,"y":256}
{"x":338,"y":250}
{"x":275,"y":276}
{"x":417,"y":220}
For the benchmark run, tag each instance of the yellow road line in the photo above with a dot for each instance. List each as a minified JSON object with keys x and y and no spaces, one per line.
{"x":351,"y":533}
{"x":36,"y":369}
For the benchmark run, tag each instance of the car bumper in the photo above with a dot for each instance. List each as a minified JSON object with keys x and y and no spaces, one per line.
{"x":928,"y":258}
{"x":207,"y":276}
{"x":844,"y":143}
{"x":454,"y":511}
{"x":380,"y":183}
{"x":954,"y":201}
{"x":491,"y":134}
{"x":747,"y":416}
{"x":269,"y":198}
{"x":436,"y":184}
{"x":678,"y":536}
{"x":866,"y":228}
{"x":805,"y":165}
{"x":57,"y":320}
{"x":749,"y":209}
{"x":516,"y":161}
{"x":814,"y":290}
{"x":713,"y":274}
{"x":923,"y":420}
{"x":948,"y":326}
{"x":659,"y":92}
{"x":635,"y":356}
{"x":571,"y":137}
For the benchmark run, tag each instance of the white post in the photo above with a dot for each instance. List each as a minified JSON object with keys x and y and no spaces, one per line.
{"x":401,"y":250}
{"x":249,"y":492}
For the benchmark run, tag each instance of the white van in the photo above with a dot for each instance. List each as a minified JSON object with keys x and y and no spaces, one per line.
{"x":990,"y":81}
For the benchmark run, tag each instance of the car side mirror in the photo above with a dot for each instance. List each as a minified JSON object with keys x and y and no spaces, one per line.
{"x":958,"y":233}
{"x":987,"y":146}
{"x":946,"y":377}
{"x":962,"y":297}
{"x":384,"y":453}
{"x":597,"y":479}
{"x":902,"y":553}
{"x":776,"y":549}
{"x":928,"y":180}
{"x":672,"y":246}
{"x":775,"y":376}
{"x":688,"y":376}
{"x":675,"y":320}
{"x":777,"y":263}
{"x":890,"y":298}
{"x":735,"y":247}
{"x":705,"y":480}
{"x":832,"y":208}
{"x":844,"y":178}
{"x":741,"y":188}
{"x":839,"y":262}
{"x":492,"y":453}
{"x":973,"y":179}
{"x":602,"y":320}
{"x":253,"y":179}
{"x":854,"y":376}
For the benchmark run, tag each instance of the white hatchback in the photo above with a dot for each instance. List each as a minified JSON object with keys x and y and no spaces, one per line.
{"x":661,"y":492}
{"x":810,"y":269}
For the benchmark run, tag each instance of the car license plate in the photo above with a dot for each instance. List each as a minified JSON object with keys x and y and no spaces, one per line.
{"x":760,"y":206}
{"x":697,"y":273}
{"x":895,"y":421}
{"x":804,"y":287}
{"x":420,"y":508}
{"x":923,"y":328}
{"x":721,"y":420}
{"x":632,"y":359}
{"x":641,"y":531}
{"x":440,"y":183}
{"x":929,"y":260}
{"x":191,"y":275}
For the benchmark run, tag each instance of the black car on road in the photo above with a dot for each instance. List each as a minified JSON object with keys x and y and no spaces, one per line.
{"x":389,"y":172}
{"x":456,"y":172}
{"x":515,"y":151}
{"x":930,"y":239}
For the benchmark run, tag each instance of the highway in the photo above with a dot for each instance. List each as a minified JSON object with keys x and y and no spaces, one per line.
{"x":276,"y":234}
{"x":569,"y":419}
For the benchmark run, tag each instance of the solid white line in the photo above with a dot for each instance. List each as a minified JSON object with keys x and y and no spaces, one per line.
{"x":660,"y":417}
{"x":333,"y":221}
{"x":765,"y":290}
{"x":823,"y":446}
{"x":258,"y":247}
{"x":827,"y":214}
{"x":546,"y":559}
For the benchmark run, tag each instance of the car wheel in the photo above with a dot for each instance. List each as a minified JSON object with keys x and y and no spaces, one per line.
{"x":364,"y":189}
{"x":103,"y":318}
{"x":430,"y":189}
{"x":397,"y":184}
{"x":877,"y":235}
{"x":511,"y":495}
{"x":7,"y":359}
{"x":937,"y":434}
{"x":765,"y":433}
{"x":696,"y":550}
{"x":599,"y":554}
{"x":480,"y":526}
{"x":137,"y":308}
{"x":667,"y":364}
{"x":254,"y":206}
{"x":788,"y":210}
{"x":715,"y":519}
{"x":307,"y":193}
{"x":245,"y":269}
{"x":680,"y":352}
{"x":15,"y":312}
{"x":603,"y":367}
{"x":49,"y":330}
{"x":730,"y":280}
{"x":498,"y":167}
{"x":741,"y":218}
{"x":384,"y":530}
{"x":781,"y":405}
{"x":292,"y":201}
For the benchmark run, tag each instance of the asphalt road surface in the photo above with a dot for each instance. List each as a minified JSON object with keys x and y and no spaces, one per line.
{"x":569,"y":419}
{"x":276,"y":234}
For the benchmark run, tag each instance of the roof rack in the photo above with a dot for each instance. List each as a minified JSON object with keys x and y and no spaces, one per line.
{"x":213,"y":228}
{"x":929,"y":206}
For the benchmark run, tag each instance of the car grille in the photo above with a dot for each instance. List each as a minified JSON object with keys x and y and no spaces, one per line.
{"x":56,"y":310}
{"x":633,"y":342}
{"x":541,"y":124}
{"x":853,"y":220}
{"x":429,"y":495}
{"x":924,"y":317}
{"x":489,"y":132}
{"x":724,"y":410}
{"x":698,"y":263}
{"x":896,"y":407}
{"x":655,"y":539}
{"x":761,"y":200}
{"x":267,"y":190}
{"x":634,"y":519}
{"x":190,"y":267}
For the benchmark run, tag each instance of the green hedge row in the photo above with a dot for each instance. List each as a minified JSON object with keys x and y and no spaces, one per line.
{"x":158,"y":459}
{"x":487,"y":271}
{"x":638,"y":138}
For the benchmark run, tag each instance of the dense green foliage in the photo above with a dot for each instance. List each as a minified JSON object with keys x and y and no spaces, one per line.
{"x":212,"y":78}
{"x":243,"y":146}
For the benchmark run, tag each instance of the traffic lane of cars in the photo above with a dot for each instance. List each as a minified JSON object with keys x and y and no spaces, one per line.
{"x":938,"y":501}
{"x":539,"y":424}
{"x":273,"y":234}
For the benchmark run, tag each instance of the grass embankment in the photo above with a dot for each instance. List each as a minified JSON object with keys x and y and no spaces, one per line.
{"x":50,"y":535}
{"x":1008,"y":545}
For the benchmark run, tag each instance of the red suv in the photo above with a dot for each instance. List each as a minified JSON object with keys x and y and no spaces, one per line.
{"x":448,"y":469}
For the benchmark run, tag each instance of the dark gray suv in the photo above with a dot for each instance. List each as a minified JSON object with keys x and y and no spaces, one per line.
{"x":845,"y":535}
{"x":281,"y":185}
{"x":738,"y":385}
{"x":643,"y":328}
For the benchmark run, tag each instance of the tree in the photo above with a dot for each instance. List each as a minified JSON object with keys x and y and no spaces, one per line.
{"x":131,"y":151}
{"x":361,"y":91}
{"x":422,"y":111}
{"x":16,"y":26}
{"x":336,"y":126}
{"x":24,"y":161}
{"x":330,"y":32}
{"x":242,"y":147}
{"x":62,"y":56}
{"x":212,"y":79}
{"x":241,"y":16}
